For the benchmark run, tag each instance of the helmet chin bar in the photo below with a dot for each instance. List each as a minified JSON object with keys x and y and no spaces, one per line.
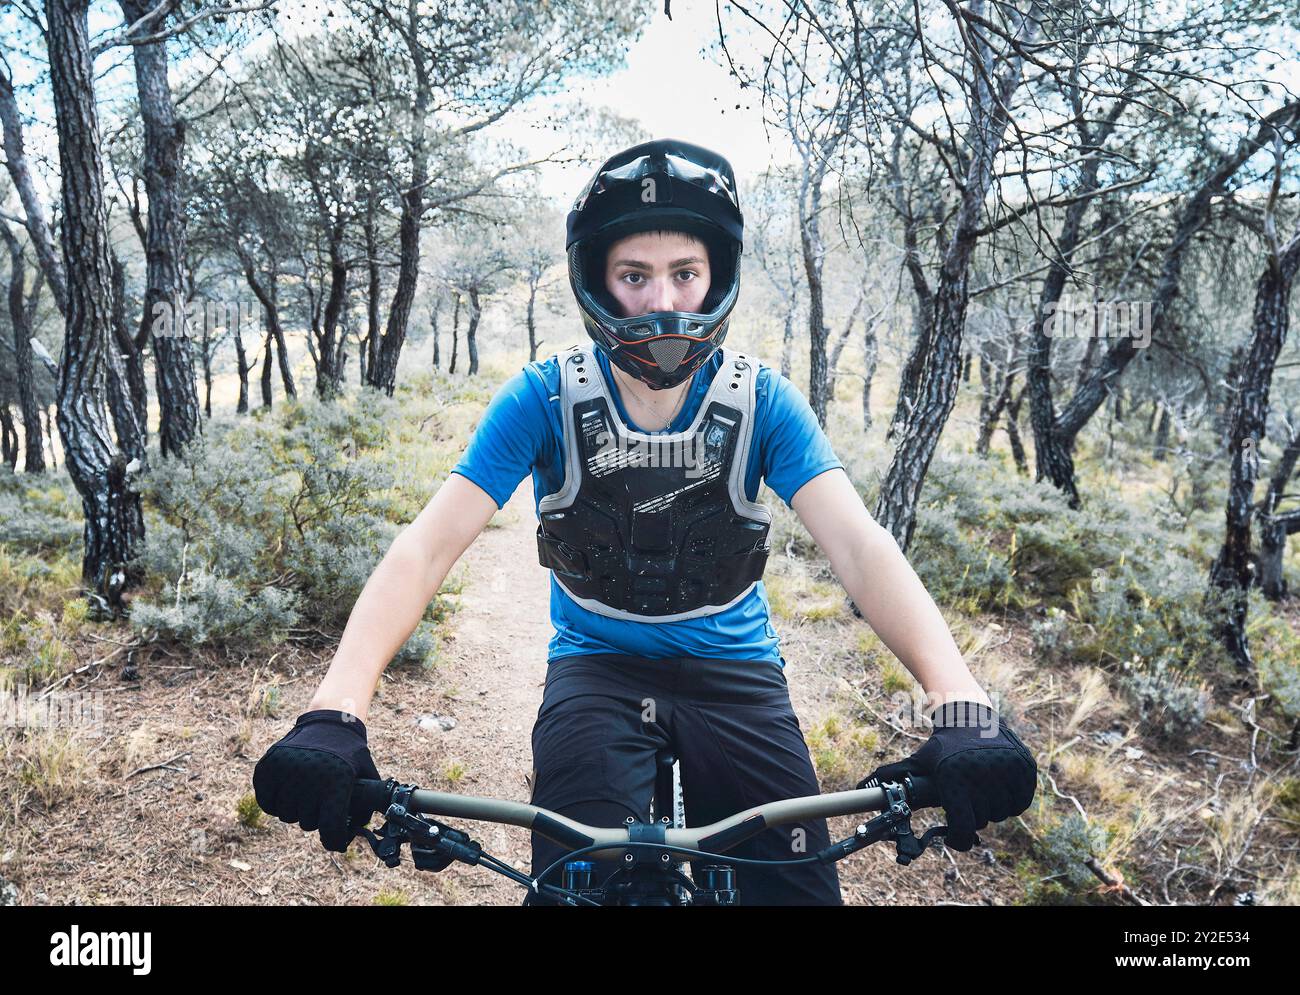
{"x":661,"y":349}
{"x":648,"y":375}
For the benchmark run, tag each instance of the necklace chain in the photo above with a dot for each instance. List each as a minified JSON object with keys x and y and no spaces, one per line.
{"x":681,"y":400}
{"x":677,"y":408}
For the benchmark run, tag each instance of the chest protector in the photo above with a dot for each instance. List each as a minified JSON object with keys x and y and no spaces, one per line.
{"x":654,"y":528}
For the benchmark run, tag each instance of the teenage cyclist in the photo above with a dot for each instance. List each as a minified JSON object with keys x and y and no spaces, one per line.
{"x":646,"y":446}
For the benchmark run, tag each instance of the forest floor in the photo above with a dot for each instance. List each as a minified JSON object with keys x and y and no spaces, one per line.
{"x":150,"y":810}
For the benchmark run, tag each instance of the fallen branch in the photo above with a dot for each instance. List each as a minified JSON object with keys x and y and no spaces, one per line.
{"x":1113,"y":882}
{"x":166,"y":764}
{"x":49,"y":689}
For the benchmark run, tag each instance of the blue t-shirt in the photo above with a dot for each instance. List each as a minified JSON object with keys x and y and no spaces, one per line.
{"x":521,"y":431}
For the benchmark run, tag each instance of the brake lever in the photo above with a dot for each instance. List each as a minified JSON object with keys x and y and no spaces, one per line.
{"x":387,"y":845}
{"x":909,"y":847}
{"x":894,"y":823}
{"x":426,"y":836}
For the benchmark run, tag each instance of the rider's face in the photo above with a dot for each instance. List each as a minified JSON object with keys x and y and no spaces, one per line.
{"x":655,"y":271}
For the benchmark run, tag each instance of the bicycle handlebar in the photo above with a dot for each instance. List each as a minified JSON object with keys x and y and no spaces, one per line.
{"x":719,"y":837}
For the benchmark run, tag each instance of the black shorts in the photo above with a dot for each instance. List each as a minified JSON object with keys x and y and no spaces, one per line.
{"x":729,"y":722}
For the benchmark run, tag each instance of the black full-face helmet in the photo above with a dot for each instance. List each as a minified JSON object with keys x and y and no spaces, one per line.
{"x":661,"y":185}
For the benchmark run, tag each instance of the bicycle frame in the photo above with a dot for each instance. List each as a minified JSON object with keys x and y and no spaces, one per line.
{"x":432,"y":842}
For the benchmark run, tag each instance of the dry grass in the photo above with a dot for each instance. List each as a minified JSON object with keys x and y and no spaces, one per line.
{"x":43,"y":767}
{"x":1093,"y":700}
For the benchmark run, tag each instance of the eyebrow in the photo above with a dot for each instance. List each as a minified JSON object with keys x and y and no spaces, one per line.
{"x":637,"y":264}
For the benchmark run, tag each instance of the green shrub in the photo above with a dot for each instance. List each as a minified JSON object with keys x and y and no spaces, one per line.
{"x":39,"y":511}
{"x":956,"y":566}
{"x":248,"y":812}
{"x":275,"y":521}
{"x":1275,"y":646}
{"x":1111,"y":580}
{"x":1171,"y":702}
{"x":1052,"y":636}
{"x":421,"y":648}
{"x":1061,"y":849}
{"x":214,"y":609}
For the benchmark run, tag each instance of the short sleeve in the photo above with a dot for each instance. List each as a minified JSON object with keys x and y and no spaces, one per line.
{"x":792,"y":444}
{"x":510,"y":439}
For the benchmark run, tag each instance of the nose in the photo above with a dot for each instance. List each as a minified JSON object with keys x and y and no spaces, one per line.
{"x":665,"y":295}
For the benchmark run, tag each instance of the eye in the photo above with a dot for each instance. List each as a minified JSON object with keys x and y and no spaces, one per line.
{"x":637,"y":275}
{"x":688,"y":273}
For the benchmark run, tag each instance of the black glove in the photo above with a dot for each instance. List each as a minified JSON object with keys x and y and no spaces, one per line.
{"x":980,"y":777}
{"x":307,"y":776}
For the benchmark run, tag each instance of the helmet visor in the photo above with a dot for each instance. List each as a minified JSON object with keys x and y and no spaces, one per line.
{"x":677,"y":167}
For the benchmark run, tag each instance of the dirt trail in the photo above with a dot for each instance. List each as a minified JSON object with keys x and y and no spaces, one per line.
{"x":491,"y":683}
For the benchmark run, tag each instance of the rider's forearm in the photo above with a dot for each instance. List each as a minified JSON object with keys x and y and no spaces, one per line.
{"x":897,"y":606}
{"x":383,"y":618}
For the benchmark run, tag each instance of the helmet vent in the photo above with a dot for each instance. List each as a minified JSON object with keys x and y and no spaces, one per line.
{"x":668,"y":353}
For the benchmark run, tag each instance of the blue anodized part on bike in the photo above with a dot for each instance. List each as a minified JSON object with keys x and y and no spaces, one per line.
{"x":579,"y":874}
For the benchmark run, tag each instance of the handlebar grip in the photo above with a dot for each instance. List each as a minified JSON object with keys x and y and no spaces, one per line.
{"x":924,"y":792}
{"x":371,"y":796}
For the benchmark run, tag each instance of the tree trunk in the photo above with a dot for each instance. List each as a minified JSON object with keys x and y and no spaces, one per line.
{"x":994,"y":396}
{"x":341,"y":345}
{"x":1053,"y":447}
{"x":205,"y":352}
{"x":129,"y":401}
{"x":282,"y":357}
{"x":1085,"y":363}
{"x":937,"y":389}
{"x":329,"y":372}
{"x":1274,"y":528}
{"x":20,"y":172}
{"x":787,"y":341}
{"x":370,"y":351}
{"x":471,"y":343}
{"x":870,"y":359}
{"x":8,"y":437}
{"x":266,"y":372}
{"x":532,"y":324}
{"x":910,"y":376}
{"x":1161,"y":447}
{"x":384,"y":373}
{"x":1054,"y":455}
{"x":1223,"y":409}
{"x":810,"y":239}
{"x":1273,"y":533}
{"x":1231,"y":572}
{"x":1013,"y":432}
{"x":164,"y":143}
{"x":241,"y":368}
{"x":34,"y":442}
{"x":114,"y":523}
{"x":277,"y":330}
{"x":896,"y":505}
{"x":1088,"y":398}
{"x":433,"y":321}
{"x":455,"y":334}
{"x":49,"y":435}
{"x":842,"y":338}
